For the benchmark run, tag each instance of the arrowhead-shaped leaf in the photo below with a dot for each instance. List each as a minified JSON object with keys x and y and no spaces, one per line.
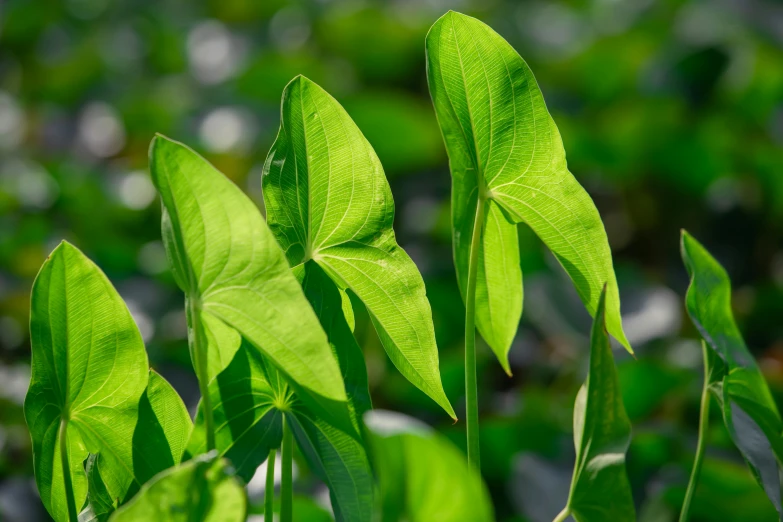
{"x":749,"y":411}
{"x":328,"y":201}
{"x":421,"y":476}
{"x":231,"y":269}
{"x":600,"y":489}
{"x":200,"y":490}
{"x":505,"y":149}
{"x":90,"y":373}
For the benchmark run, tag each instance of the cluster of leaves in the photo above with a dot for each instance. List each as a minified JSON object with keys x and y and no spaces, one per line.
{"x":270,"y":321}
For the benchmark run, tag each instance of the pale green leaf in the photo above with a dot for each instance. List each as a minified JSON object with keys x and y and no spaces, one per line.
{"x":230,"y":268}
{"x":328,"y":200}
{"x":90,"y":371}
{"x":422,"y":477}
{"x":600,"y":490}
{"x":504,"y":148}
{"x":200,"y":490}
{"x":749,"y":411}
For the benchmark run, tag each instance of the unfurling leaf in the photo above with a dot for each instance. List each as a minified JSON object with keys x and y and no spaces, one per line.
{"x":328,"y":202}
{"x":749,"y":411}
{"x":600,"y":490}
{"x":422,"y":477}
{"x":200,"y":490}
{"x":507,"y":161}
{"x":234,"y":274}
{"x":90,"y":376}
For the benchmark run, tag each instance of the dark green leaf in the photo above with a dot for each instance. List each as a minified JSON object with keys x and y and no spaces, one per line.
{"x":200,"y":490}
{"x":749,"y":411}
{"x":505,"y":149}
{"x":602,"y":432}
{"x":328,"y":201}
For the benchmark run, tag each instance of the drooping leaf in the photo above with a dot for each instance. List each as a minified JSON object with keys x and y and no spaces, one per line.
{"x":90,"y":372}
{"x":232,"y":270}
{"x":505,"y":150}
{"x":200,"y":490}
{"x":328,"y":201}
{"x":749,"y":411}
{"x":600,"y":489}
{"x":248,"y":423}
{"x":422,"y":477}
{"x":99,"y":502}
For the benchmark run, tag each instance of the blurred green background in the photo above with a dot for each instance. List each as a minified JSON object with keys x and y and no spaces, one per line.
{"x":672,"y":116}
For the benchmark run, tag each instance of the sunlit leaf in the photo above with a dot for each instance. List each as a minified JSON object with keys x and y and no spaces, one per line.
{"x":90,"y":373}
{"x":749,"y":411}
{"x":505,"y":149}
{"x":600,"y":489}
{"x":328,"y":201}
{"x":422,"y":477}
{"x":200,"y":490}
{"x":232,"y":271}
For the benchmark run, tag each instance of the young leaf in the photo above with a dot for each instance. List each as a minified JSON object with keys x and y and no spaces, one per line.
{"x":421,"y":476}
{"x":200,"y":490}
{"x":328,"y":201}
{"x":232,"y":270}
{"x":508,"y":166}
{"x":87,"y":390}
{"x":749,"y":411}
{"x":602,"y":432}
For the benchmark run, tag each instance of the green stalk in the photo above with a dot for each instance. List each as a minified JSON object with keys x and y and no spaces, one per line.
{"x":471,"y":389}
{"x":73,"y":516}
{"x":201,"y":362}
{"x":286,"y":487}
{"x":563,"y":515}
{"x":269,"y":491}
{"x":704,"y":419}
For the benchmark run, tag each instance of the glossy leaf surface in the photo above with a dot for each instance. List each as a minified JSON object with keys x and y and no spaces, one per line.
{"x":749,"y":411}
{"x":328,"y":201}
{"x":422,"y":477}
{"x":90,"y":371}
{"x":200,"y":490}
{"x":232,"y":271}
{"x":504,"y":148}
{"x":600,"y":489}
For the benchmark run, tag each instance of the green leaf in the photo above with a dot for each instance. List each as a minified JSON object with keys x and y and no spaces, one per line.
{"x":232,"y":271}
{"x":328,"y":201}
{"x":600,"y":489}
{"x":248,"y":423}
{"x":200,"y":490}
{"x":505,"y":149}
{"x":422,"y":477}
{"x":749,"y":411}
{"x":99,"y":502}
{"x":90,"y":374}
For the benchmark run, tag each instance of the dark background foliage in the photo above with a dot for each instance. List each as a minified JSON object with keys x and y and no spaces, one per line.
{"x":672,"y":116}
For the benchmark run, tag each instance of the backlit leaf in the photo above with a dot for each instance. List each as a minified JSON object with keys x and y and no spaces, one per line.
{"x":600,"y":489}
{"x":749,"y":411}
{"x":90,"y":371}
{"x":232,"y":270}
{"x":505,"y":149}
{"x":328,"y":201}
{"x":200,"y":490}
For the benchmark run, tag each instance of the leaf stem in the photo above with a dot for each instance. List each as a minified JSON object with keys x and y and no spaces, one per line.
{"x":563,"y":515}
{"x":73,"y":516}
{"x":287,"y":462}
{"x":471,"y":389}
{"x":269,"y":490}
{"x":704,"y":419}
{"x":201,"y":361}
